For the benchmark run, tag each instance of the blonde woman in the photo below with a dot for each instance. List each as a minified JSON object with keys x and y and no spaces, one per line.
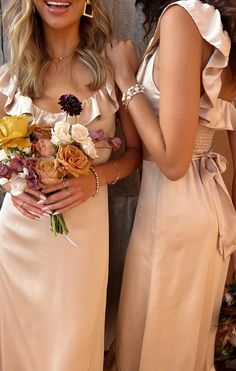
{"x":52,"y":294}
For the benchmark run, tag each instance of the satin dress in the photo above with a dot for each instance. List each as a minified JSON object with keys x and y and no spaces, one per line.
{"x":183,"y":235}
{"x":52,"y":293}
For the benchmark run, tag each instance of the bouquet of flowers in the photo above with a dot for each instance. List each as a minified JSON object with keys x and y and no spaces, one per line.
{"x":38,"y":156}
{"x":226,"y":335}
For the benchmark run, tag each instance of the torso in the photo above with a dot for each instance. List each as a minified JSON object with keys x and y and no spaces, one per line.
{"x":62,"y":79}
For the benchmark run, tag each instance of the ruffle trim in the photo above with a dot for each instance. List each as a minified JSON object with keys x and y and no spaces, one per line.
{"x":214,"y":112}
{"x":102,"y":103}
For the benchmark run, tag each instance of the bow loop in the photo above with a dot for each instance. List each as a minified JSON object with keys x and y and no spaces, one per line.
{"x":212,"y":165}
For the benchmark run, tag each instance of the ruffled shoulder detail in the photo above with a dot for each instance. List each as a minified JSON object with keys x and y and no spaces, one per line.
{"x":16,"y":103}
{"x":102,"y":103}
{"x":213,"y":111}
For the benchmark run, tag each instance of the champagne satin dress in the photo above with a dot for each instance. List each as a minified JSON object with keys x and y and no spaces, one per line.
{"x":183,"y":235}
{"x":52,"y":293}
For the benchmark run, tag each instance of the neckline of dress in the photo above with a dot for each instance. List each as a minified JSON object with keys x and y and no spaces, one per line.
{"x":84,"y":101}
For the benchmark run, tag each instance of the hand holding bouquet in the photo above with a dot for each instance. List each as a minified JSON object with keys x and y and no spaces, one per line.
{"x":40,"y":156}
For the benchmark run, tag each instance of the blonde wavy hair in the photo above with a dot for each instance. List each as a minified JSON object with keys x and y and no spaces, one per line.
{"x":28,"y":56}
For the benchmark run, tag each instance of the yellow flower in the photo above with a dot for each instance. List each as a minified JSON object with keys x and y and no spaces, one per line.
{"x":13,"y":131}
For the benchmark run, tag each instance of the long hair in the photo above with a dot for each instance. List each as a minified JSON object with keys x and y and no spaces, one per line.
{"x":152,"y":10}
{"x":29,"y":59}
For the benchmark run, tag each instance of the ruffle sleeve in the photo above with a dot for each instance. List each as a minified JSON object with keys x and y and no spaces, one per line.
{"x":16,"y":103}
{"x":214,"y":112}
{"x":101,"y":104}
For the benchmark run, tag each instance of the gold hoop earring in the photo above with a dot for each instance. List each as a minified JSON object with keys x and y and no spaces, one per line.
{"x":88,"y":9}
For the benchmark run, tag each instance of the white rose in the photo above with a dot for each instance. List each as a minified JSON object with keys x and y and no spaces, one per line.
{"x":3,"y":181}
{"x":89,"y":148}
{"x":79,"y":133}
{"x":61,"y":133}
{"x":17,"y":185}
{"x":3,"y":155}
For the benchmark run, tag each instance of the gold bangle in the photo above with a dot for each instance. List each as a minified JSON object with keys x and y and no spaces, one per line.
{"x":117,"y":173}
{"x":97,"y":181}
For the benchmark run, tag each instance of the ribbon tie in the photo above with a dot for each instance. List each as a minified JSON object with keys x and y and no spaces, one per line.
{"x":212,"y":165}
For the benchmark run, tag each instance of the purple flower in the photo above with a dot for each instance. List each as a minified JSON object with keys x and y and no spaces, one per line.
{"x":32,"y":180}
{"x":16,"y":164}
{"x":115,"y":143}
{"x":97,"y":135}
{"x":5,"y":171}
{"x":70,"y":104}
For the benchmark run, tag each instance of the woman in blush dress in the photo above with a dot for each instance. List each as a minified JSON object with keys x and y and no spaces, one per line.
{"x":185,"y":225}
{"x":53,"y":294}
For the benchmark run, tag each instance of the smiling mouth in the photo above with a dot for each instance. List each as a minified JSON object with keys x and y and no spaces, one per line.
{"x":60,"y":4}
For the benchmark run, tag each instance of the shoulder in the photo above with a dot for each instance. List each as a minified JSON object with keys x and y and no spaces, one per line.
{"x":187,"y":15}
{"x":176,"y":17}
{"x":178,"y":26}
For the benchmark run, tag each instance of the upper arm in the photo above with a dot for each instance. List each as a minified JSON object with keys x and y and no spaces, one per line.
{"x":180,"y":59}
{"x":3,"y":100}
{"x":232,"y":141}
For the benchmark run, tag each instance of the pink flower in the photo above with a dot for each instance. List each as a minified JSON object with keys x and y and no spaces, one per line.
{"x":45,"y":147}
{"x":97,"y":135}
{"x":115,"y":143}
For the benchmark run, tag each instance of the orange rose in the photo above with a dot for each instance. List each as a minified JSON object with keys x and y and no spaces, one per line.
{"x":72,"y":160}
{"x":48,"y":171}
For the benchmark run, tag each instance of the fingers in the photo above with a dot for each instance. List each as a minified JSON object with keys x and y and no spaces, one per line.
{"x":39,"y":195}
{"x":64,"y":201}
{"x":28,"y":206}
{"x":23,"y":208}
{"x":60,"y":195}
{"x":57,"y":187}
{"x":69,"y":207}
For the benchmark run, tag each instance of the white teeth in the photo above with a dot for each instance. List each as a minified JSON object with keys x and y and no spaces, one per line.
{"x":57,"y":3}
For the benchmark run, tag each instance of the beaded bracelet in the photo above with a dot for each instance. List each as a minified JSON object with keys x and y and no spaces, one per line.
{"x":97,"y":181}
{"x":117,"y":173}
{"x":130,"y":93}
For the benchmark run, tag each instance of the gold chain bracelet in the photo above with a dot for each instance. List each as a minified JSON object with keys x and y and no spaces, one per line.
{"x":97,"y":181}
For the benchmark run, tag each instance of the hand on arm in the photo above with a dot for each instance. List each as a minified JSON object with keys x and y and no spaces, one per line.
{"x":170,"y":138}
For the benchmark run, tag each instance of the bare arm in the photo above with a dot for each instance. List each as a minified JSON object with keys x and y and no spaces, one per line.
{"x":232,"y":141}
{"x":171,"y":138}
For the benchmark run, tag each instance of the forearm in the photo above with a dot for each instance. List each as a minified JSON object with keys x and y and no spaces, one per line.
{"x":126,"y":165}
{"x":163,"y":147}
{"x":234,"y":191}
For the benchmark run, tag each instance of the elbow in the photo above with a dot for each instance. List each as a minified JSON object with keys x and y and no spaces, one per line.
{"x":175,"y":172}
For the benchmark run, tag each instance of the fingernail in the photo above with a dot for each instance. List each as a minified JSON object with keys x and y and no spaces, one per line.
{"x":40,"y":202}
{"x":47,"y":210}
{"x":45,"y":214}
{"x":43,"y":197}
{"x":56,"y":213}
{"x":37,"y":219}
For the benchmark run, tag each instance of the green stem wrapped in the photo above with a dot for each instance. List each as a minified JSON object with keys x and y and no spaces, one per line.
{"x":58,"y":225}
